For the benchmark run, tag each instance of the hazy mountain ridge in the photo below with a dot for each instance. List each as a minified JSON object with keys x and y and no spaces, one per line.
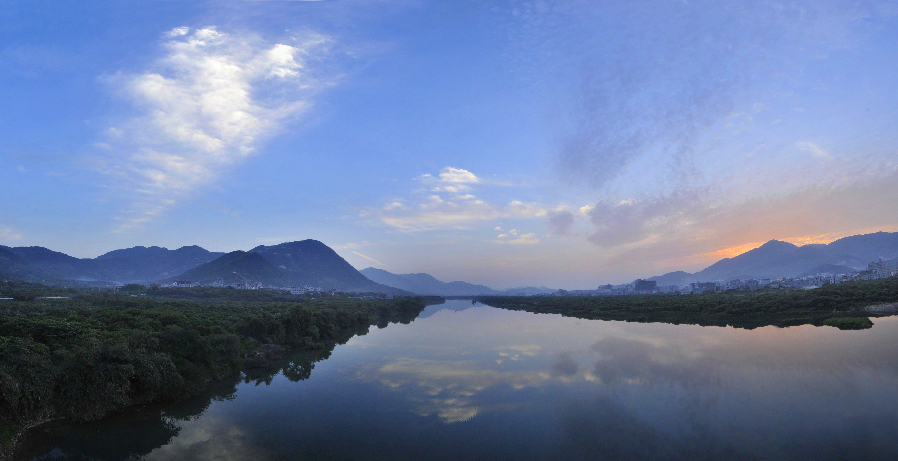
{"x":13,"y":266}
{"x":49,"y":262}
{"x":310,"y":262}
{"x":303,"y":263}
{"x":426,"y":284}
{"x":130,"y":265}
{"x":150,"y":263}
{"x":781,"y":259}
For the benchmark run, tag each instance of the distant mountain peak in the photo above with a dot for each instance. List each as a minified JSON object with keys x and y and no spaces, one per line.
{"x":237,"y":266}
{"x":774,"y":243}
{"x":770,"y":247}
{"x":310,"y":262}
{"x":425,"y":284}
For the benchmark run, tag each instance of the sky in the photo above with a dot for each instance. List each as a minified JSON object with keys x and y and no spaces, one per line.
{"x":508,"y":143}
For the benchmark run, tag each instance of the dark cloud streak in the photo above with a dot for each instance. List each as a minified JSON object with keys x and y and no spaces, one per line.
{"x":631,"y":221}
{"x":560,"y":222}
{"x":652,"y":90}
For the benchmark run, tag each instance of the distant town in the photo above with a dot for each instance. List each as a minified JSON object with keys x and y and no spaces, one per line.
{"x":254,"y":286}
{"x":875,"y":270}
{"x":236,"y":285}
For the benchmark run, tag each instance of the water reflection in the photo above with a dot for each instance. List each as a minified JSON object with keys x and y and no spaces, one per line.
{"x":475,"y":382}
{"x":157,"y":431}
{"x":652,"y":391}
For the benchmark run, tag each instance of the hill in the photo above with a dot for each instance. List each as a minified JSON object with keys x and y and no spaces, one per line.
{"x":425,"y":284}
{"x":310,"y":262}
{"x":149,"y":263}
{"x":14,"y":267}
{"x":678,"y":278}
{"x":131,"y":265}
{"x":51,"y":262}
{"x":781,"y":259}
{"x":234,"y":267}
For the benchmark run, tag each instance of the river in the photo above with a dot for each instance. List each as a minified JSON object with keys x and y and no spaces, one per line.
{"x":467,"y":381}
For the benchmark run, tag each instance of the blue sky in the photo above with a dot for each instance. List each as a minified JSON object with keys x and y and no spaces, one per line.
{"x":560,"y":143}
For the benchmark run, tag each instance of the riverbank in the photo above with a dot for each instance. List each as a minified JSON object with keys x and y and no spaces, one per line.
{"x":831,"y":305}
{"x":82,"y":358}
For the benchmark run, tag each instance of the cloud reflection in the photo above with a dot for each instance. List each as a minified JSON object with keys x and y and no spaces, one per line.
{"x":211,"y":438}
{"x":631,"y":361}
{"x":448,"y":389}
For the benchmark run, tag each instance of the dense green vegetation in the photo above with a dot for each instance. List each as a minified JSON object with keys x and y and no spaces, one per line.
{"x":135,"y":433}
{"x":841,"y":305}
{"x":92,"y":353}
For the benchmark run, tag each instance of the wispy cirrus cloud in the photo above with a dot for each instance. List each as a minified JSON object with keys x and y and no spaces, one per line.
{"x":369,"y":258}
{"x":207,"y":103}
{"x":647,"y":84}
{"x":678,"y":113}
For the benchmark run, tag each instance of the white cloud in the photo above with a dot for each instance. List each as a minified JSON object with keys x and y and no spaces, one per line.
{"x":394,"y":205}
{"x":177,"y":32}
{"x":450,"y":179}
{"x":443,"y":205}
{"x":526,"y":239}
{"x":458,"y":175}
{"x":204,"y":106}
{"x":7,"y":234}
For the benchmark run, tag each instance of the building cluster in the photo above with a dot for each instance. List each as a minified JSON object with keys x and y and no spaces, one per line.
{"x":240,"y":286}
{"x":303,"y":290}
{"x":875,"y":270}
{"x":373,"y":296}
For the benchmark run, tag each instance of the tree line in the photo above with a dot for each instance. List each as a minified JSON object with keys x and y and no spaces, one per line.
{"x":841,"y":305}
{"x":93,"y":353}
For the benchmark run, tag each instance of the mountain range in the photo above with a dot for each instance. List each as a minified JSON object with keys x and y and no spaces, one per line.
{"x":312,"y":263}
{"x":782,"y":259}
{"x":303,"y":263}
{"x":132,"y":265}
{"x":426,"y":284}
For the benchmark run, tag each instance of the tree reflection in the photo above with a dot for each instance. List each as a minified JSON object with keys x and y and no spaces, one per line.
{"x":134,"y":433}
{"x":125,"y":435}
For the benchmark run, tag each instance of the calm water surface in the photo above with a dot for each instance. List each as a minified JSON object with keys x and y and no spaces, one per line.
{"x":474,"y":382}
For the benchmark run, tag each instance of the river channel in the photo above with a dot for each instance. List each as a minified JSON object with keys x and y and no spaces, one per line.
{"x":465,"y":381}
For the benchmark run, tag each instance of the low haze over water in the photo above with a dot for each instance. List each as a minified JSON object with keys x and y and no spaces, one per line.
{"x":468,"y":381}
